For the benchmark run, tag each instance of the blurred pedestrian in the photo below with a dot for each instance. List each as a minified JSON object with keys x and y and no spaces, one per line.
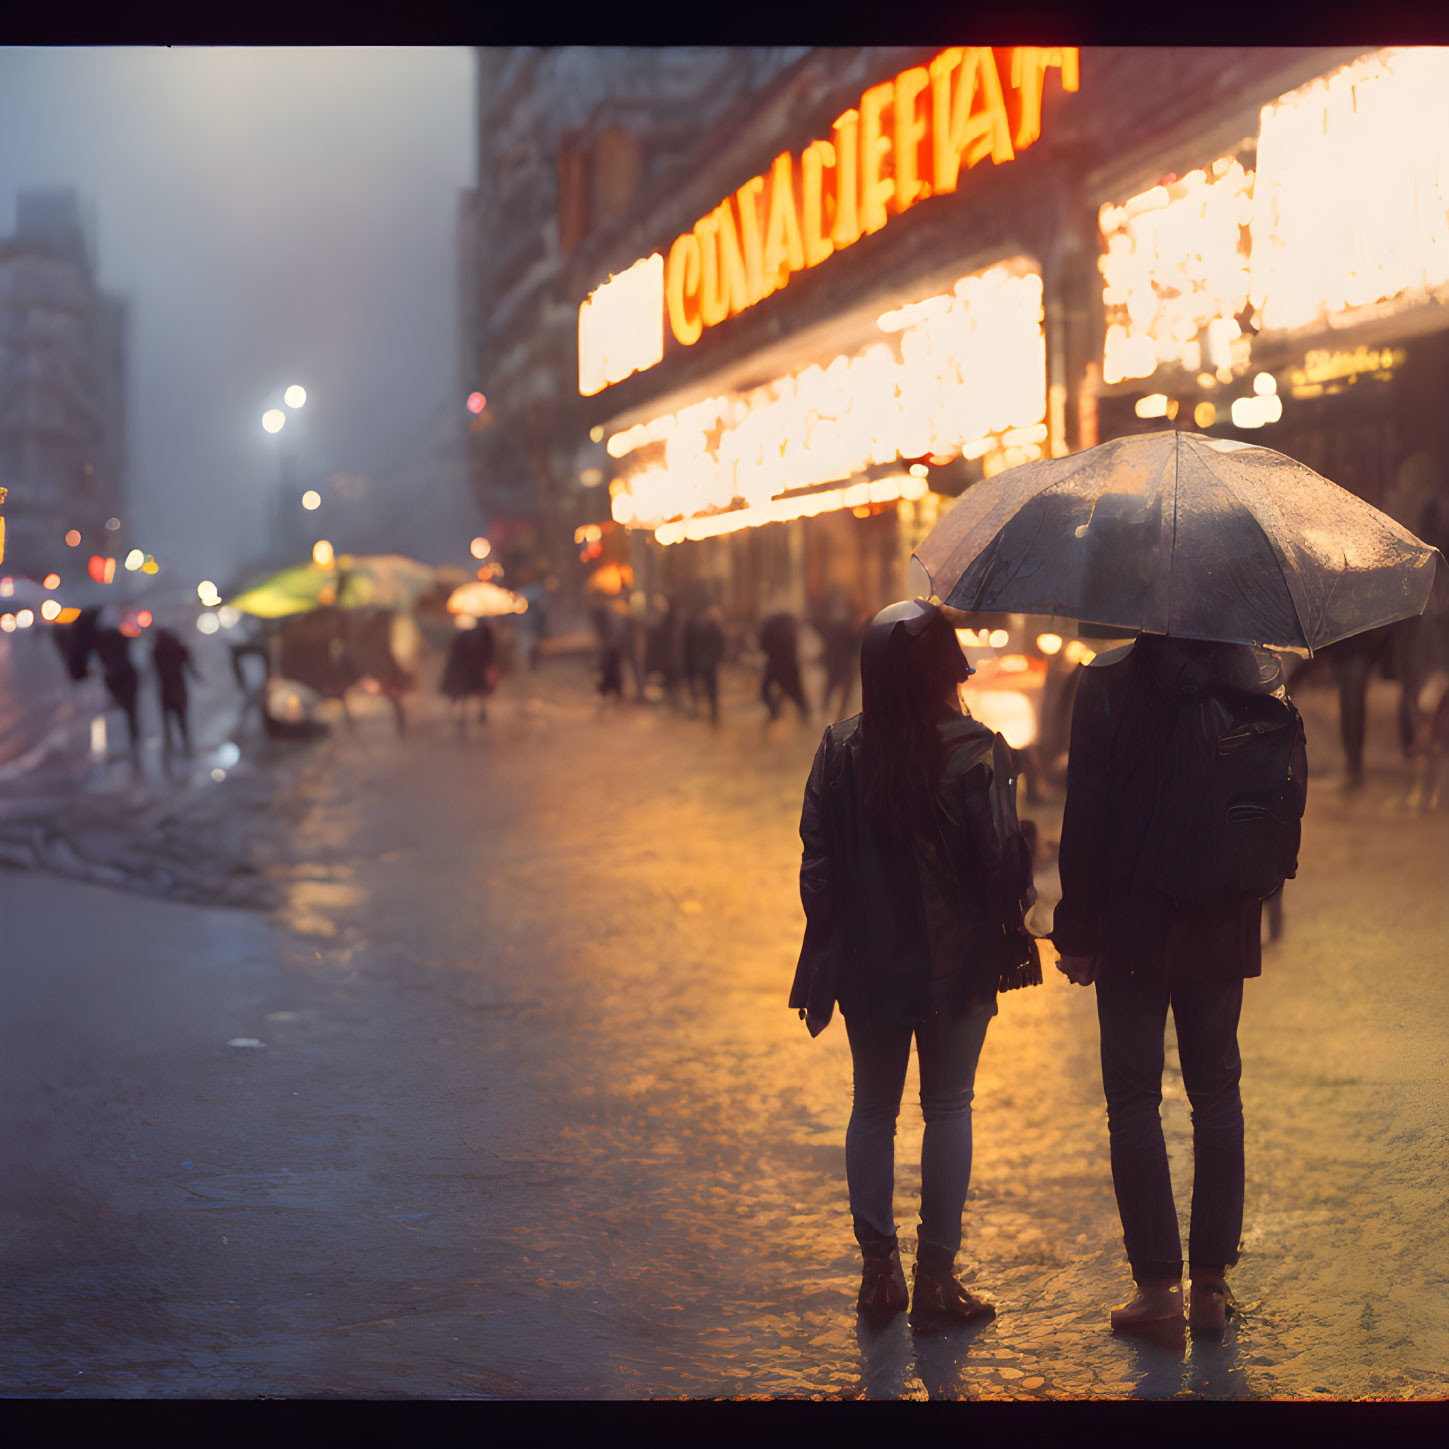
{"x":609,"y":631}
{"x":915,"y":877}
{"x":707,"y":651}
{"x":467,"y":672}
{"x":1353,"y":662}
{"x":172,"y":662}
{"x":839,"y":629}
{"x":779,"y":638}
{"x":1162,"y":906}
{"x":122,"y":681}
{"x":662,"y":647}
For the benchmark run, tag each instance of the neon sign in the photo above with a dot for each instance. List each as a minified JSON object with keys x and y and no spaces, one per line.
{"x":910,"y":138}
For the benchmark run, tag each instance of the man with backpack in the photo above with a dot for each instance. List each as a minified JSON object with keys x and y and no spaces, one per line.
{"x":1186,"y":782}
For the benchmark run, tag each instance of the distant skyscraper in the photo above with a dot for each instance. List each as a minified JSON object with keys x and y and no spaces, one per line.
{"x":62,"y":389}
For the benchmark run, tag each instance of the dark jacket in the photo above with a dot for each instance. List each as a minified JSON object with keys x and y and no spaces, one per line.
{"x":1120,"y":728}
{"x":900,"y":930}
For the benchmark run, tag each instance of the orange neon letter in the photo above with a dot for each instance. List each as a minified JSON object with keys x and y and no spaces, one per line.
{"x":783,"y":252}
{"x":713,"y":308}
{"x":733,"y":288}
{"x":682,"y":288}
{"x":875,"y":190}
{"x":847,"y":179}
{"x":748,"y":197}
{"x":813,"y":160}
{"x":910,"y":129}
{"x":961,"y":133}
{"x":1029,"y":65}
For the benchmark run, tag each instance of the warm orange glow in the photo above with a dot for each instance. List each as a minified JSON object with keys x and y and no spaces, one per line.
{"x":1374,"y":241}
{"x":476,"y":402}
{"x":149,"y":567}
{"x":964,"y":372}
{"x":480,"y":547}
{"x":1049,"y":643}
{"x":101,"y":570}
{"x":1175,"y":272}
{"x":143,"y":618}
{"x":67,"y":616}
{"x":322,"y":554}
{"x":50,"y":581}
{"x":72,"y":538}
{"x":910,"y":138}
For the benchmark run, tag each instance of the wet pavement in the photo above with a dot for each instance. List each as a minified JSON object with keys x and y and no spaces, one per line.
{"x":498,"y":1096}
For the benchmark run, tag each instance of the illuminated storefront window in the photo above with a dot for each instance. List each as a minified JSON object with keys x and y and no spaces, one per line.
{"x":1344,"y":218}
{"x":1175,"y":273}
{"x":1352,"y":192}
{"x":962,"y":373}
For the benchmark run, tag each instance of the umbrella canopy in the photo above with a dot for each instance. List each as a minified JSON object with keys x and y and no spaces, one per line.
{"x":384,"y":581}
{"x":484,"y":600}
{"x":1179,"y":533}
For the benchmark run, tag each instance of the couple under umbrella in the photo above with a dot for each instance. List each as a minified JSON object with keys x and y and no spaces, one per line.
{"x":1186,"y":783}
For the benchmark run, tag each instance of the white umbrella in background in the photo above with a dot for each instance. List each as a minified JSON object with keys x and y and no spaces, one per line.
{"x":482,"y":600}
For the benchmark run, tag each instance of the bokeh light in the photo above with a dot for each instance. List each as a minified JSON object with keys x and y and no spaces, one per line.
{"x":50,"y":581}
{"x":208,"y":623}
{"x":24,"y":619}
{"x":73,"y":538}
{"x":135,"y":559}
{"x":49,"y":610}
{"x":295,"y":396}
{"x":273,"y":420}
{"x":476,"y":402}
{"x":480,"y":548}
{"x":322,"y":554}
{"x":311,"y":499}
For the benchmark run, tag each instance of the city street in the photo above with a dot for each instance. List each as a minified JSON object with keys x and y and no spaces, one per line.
{"x":470,"y":1074}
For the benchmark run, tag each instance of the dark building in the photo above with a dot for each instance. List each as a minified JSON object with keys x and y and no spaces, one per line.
{"x":62,"y":389}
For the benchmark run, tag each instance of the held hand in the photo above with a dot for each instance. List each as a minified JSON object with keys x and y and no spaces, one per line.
{"x":1080,"y":970}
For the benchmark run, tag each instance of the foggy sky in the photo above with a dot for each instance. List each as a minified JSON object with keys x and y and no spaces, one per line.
{"x":272,"y":216}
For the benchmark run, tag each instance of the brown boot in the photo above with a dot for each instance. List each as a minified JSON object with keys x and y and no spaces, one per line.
{"x":1210,"y":1302}
{"x":882,"y":1280}
{"x":1155,"y":1312}
{"x":937,"y":1299}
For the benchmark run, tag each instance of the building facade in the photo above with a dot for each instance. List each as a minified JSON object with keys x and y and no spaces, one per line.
{"x":881,"y":274}
{"x":62,"y":389}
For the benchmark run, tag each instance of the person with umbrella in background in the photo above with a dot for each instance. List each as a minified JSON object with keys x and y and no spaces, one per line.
{"x":172,"y":661}
{"x":1187,"y":772}
{"x":466,"y":674}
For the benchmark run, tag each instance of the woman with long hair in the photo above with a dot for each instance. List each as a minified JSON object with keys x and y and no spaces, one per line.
{"x":915,"y":878}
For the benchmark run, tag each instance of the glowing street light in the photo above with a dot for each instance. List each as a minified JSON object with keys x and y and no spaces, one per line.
{"x":322,"y":554}
{"x":274,"y":420}
{"x":295,"y":396}
{"x":480,"y":548}
{"x":311,"y":499}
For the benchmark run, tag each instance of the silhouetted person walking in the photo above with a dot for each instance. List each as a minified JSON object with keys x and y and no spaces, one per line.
{"x":119,"y":673}
{"x":466,"y":672}
{"x":1162,"y":890}
{"x":915,"y":877}
{"x":779,"y":638}
{"x":839,"y":632}
{"x":172,"y":661}
{"x":706,"y":652}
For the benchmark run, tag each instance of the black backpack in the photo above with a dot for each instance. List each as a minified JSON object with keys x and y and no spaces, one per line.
{"x":1230,"y":797}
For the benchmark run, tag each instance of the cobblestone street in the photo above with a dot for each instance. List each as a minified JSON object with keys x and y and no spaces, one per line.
{"x":501,"y":1097}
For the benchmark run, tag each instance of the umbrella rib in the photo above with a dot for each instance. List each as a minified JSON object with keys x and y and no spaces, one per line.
{"x":1278,"y":564}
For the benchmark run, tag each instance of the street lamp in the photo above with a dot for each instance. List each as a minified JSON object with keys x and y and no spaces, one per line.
{"x":274,"y":420}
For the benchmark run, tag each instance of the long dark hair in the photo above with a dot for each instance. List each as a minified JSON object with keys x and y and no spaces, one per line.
{"x":904,"y":693}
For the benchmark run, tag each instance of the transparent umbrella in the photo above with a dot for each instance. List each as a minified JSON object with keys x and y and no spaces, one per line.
{"x":1179,"y":533}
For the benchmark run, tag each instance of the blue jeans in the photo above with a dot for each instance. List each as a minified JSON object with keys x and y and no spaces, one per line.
{"x":1132,"y":1012}
{"x":947,"y":1050}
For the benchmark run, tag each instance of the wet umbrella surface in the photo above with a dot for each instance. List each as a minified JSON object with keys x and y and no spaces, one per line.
{"x":1178,"y":533}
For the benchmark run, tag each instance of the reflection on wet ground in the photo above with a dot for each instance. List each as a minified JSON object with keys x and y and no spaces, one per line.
{"x":532,"y":1119}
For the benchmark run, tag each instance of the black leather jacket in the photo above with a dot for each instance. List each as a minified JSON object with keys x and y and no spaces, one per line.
{"x":899,"y":930}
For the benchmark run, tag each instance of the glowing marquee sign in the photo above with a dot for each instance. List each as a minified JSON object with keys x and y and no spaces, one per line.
{"x":911,"y":137}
